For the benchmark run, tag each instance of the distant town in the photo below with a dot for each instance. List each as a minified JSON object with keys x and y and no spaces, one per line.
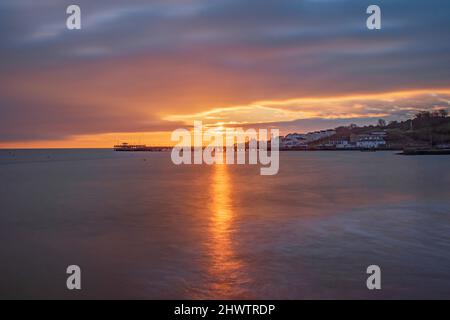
{"x":428,"y":130}
{"x":342,"y":138}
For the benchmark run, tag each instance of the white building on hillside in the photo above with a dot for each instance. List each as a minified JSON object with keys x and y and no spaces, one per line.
{"x":296,"y":140}
{"x":317,"y":135}
{"x":293,"y":140}
{"x":370,"y":141}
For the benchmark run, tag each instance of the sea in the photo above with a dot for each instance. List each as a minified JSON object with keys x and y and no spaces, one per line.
{"x":140,"y":227}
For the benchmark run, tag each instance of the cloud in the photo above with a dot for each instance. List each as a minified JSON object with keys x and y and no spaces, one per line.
{"x":137,"y":63}
{"x":23,"y":120}
{"x":356,"y":108}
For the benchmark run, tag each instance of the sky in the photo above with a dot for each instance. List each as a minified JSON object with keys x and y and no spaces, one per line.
{"x":137,"y":70}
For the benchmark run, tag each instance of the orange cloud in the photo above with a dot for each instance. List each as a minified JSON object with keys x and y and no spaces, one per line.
{"x":350,"y":106}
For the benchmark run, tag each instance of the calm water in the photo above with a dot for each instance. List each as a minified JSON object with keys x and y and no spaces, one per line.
{"x":140,"y":227}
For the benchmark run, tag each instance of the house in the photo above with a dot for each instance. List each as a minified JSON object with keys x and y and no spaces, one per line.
{"x":317,"y":135}
{"x":336,"y":143}
{"x":370,"y":141}
{"x":293,"y":140}
{"x":379,"y":133}
{"x":343,"y":144}
{"x":298,"y":140}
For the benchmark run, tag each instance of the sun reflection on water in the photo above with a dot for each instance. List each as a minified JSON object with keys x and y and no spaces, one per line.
{"x":226,"y":269}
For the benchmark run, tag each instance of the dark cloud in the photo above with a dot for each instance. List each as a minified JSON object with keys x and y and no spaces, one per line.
{"x":24,"y":120}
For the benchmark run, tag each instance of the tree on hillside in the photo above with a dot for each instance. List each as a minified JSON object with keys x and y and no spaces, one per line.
{"x":426,"y":115}
{"x":443,"y":113}
{"x":393,"y":123}
{"x":381,"y":123}
{"x":422,"y":115}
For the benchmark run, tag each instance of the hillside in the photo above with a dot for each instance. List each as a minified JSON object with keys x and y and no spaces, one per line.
{"x":427,"y":129}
